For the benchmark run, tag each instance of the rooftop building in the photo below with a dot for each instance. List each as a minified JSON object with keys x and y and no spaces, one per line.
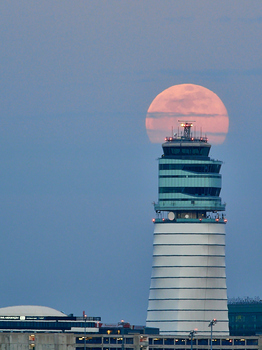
{"x":42,"y":328}
{"x":245,"y":317}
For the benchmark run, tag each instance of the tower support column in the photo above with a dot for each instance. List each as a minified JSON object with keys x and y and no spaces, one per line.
{"x":188,"y":282}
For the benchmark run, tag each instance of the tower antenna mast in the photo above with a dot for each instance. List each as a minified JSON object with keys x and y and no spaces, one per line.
{"x":187,"y":127}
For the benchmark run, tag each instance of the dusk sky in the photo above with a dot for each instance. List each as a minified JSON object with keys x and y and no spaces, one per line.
{"x":78,"y":172}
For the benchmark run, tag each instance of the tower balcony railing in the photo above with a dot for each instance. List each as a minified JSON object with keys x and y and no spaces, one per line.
{"x":203,"y":207}
{"x":190,"y":220}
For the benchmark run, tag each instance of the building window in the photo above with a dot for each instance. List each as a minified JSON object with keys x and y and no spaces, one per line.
{"x":158,"y":341}
{"x":239,"y":341}
{"x":89,"y":340}
{"x":252,"y":342}
{"x":169,"y":341}
{"x":90,"y":348}
{"x":189,"y":342}
{"x":129,"y":341}
{"x":202,"y":341}
{"x":227,"y":341}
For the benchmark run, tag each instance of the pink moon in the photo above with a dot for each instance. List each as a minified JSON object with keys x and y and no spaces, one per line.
{"x":187,"y":102}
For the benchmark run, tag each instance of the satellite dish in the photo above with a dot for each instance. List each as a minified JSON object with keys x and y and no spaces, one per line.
{"x":171,"y":216}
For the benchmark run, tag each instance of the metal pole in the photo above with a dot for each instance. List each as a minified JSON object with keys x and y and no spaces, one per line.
{"x":122,"y":331}
{"x":85,"y":333}
{"x":191,"y":335}
{"x":211,"y":324}
{"x":211,"y":336}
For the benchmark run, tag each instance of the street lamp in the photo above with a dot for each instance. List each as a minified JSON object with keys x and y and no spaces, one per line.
{"x":211,"y":324}
{"x":191,"y":336}
{"x":122,"y":333}
{"x":84,"y":316}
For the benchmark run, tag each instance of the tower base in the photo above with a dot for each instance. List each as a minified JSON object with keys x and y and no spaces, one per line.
{"x":188,"y":282}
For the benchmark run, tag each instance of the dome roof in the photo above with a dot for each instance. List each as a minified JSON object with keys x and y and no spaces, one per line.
{"x":30,"y":310}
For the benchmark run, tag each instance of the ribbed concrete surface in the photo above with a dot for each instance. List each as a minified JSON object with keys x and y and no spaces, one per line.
{"x":188,"y":282}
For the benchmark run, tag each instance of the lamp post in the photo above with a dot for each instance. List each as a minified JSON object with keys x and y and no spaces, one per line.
{"x":122,"y":333}
{"x":211,"y":324}
{"x":84,"y":315}
{"x":191,"y":336}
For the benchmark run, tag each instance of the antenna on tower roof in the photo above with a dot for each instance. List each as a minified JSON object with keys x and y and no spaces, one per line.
{"x":187,"y":127}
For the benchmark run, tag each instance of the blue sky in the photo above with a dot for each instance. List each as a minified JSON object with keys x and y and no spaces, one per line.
{"x":78,"y":172}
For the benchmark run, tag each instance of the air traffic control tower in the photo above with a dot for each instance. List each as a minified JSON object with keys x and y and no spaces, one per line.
{"x":188,"y":281}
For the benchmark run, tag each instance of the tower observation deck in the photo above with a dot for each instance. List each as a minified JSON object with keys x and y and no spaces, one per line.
{"x":188,"y":281}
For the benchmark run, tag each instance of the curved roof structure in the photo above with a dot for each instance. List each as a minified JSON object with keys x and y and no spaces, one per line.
{"x":30,"y":310}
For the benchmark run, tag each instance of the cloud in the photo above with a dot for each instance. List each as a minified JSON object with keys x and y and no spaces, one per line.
{"x":214,"y":74}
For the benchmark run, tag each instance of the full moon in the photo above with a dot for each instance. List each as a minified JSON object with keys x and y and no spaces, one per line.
{"x":187,"y":102}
